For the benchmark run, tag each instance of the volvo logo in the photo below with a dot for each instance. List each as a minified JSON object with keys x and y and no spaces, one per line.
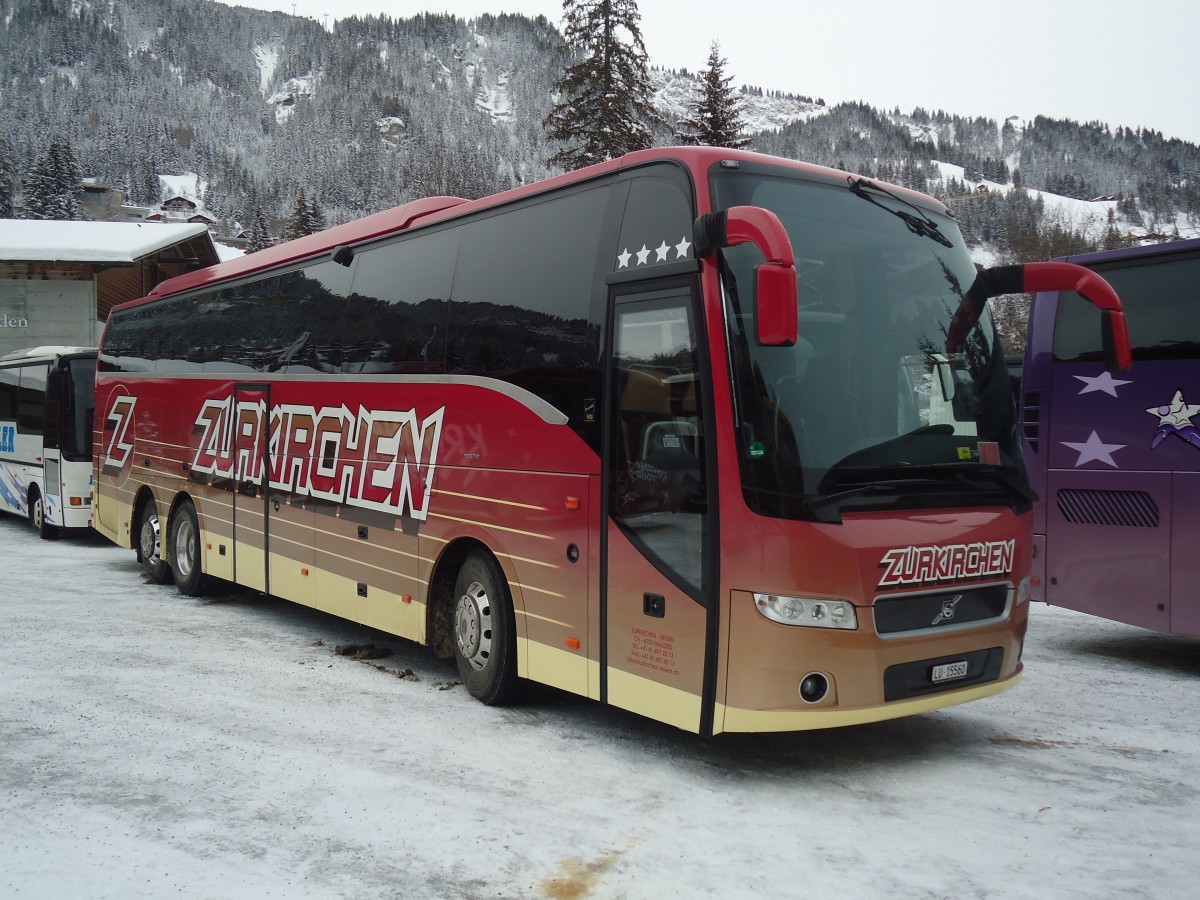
{"x":947,"y":612}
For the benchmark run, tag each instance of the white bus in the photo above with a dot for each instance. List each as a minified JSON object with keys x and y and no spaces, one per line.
{"x":47,"y":398}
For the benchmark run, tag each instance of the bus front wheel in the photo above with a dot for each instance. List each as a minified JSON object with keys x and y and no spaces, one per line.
{"x":149,"y":545}
{"x":185,"y":550}
{"x":485,"y":644}
{"x":37,"y":516}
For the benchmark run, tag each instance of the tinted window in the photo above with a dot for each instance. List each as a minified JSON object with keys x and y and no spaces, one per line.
{"x":396,"y":314}
{"x":1160,"y":300}
{"x":658,"y":484}
{"x":31,"y":400}
{"x":305,"y":320}
{"x":8,"y":393}
{"x":657,"y":226}
{"x":522,"y":296}
{"x":78,"y":407}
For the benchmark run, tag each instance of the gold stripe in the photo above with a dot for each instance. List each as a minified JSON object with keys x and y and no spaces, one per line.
{"x":529,"y":615}
{"x":526,"y":559}
{"x":732,"y":719}
{"x":538,"y":590}
{"x":492,"y":500}
{"x":487,"y":525}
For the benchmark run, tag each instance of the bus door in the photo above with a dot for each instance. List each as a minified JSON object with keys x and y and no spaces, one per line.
{"x":659,"y":572}
{"x":251,"y":478}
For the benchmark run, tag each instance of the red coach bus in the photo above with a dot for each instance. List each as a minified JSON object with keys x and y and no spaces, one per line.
{"x":722,"y":439}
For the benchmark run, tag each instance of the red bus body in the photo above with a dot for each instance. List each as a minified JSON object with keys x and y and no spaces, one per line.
{"x":629,"y":490}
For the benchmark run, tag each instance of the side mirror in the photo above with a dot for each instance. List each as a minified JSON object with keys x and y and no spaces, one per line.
{"x":776,"y":296}
{"x":1048,"y":276}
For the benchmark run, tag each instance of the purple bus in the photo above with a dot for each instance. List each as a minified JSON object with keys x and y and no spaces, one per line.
{"x":1115,"y":456}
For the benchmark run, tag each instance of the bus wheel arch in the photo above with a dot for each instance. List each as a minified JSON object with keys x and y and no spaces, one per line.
{"x":148,"y":537}
{"x":472,"y":618}
{"x":37,"y":514}
{"x":185,"y":550}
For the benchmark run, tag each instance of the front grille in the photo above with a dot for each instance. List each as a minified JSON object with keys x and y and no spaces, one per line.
{"x":904,"y":613}
{"x":1130,"y":509}
{"x":916,"y":678}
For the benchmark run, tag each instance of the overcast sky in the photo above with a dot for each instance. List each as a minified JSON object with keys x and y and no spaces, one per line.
{"x":1121,"y":63}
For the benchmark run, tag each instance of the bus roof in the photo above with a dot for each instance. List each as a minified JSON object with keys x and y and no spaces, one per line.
{"x":430,"y":210}
{"x":1140,"y":252}
{"x":34,"y":354}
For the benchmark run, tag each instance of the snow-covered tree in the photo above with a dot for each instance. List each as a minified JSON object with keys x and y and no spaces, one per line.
{"x":259,"y":237}
{"x":714,"y":119}
{"x":303,"y":220}
{"x":8,"y":176}
{"x":53,"y":183}
{"x":606,"y":107}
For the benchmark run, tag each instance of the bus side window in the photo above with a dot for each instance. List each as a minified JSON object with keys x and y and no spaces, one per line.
{"x":522,"y":299}
{"x":8,"y":393}
{"x":31,"y":400}
{"x":396,"y":312}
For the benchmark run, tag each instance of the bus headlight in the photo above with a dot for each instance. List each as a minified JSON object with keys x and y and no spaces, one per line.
{"x":809,"y":611}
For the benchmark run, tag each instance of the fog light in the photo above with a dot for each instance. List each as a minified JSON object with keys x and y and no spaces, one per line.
{"x":813,"y":687}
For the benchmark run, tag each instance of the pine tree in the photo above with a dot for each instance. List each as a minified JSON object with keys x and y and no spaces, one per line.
{"x":316,"y":217}
{"x":300,"y":222}
{"x":606,"y":108}
{"x":53,"y":183}
{"x":260,"y":233}
{"x":8,"y":177}
{"x":715,"y":119}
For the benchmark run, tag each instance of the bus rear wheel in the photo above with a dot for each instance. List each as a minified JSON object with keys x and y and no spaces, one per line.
{"x":149,"y":545}
{"x":37,"y":516}
{"x":185,"y":550}
{"x":485,"y":643}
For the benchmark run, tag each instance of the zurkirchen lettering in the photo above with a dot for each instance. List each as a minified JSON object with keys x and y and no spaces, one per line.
{"x":954,"y":562}
{"x":377,"y":459}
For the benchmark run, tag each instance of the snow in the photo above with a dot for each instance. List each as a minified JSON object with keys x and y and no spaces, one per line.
{"x":25,"y":240}
{"x":152,"y":744}
{"x":267,"y":60}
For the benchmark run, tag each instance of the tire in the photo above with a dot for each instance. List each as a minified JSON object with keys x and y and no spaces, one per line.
{"x":185,"y":550}
{"x":149,"y":545}
{"x":485,"y":641}
{"x":37,"y":516}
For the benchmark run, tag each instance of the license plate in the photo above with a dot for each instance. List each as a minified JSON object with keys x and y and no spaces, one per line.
{"x":949,"y":671}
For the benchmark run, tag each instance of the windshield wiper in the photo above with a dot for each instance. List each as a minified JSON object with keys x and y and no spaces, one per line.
{"x":919,"y":224}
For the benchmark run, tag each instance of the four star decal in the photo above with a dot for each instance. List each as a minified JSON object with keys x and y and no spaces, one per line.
{"x":661,"y":253}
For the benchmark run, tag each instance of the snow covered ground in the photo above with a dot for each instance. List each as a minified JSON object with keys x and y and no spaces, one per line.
{"x":153,"y":745}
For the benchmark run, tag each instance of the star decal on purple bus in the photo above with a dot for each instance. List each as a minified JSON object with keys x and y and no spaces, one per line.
{"x":1104,"y":382}
{"x":1094,"y":449}
{"x":1175,"y":418}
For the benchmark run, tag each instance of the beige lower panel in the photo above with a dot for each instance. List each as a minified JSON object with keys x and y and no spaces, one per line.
{"x":338,"y":595}
{"x":731,"y":719}
{"x":658,"y":701}
{"x":557,"y":668}
{"x":213,"y":562}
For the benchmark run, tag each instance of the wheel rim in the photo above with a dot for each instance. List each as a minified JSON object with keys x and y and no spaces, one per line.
{"x":473,"y":625}
{"x":39,"y":514}
{"x":150,"y":539}
{"x":185,"y":547}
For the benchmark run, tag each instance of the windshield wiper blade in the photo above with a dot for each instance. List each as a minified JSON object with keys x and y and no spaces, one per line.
{"x":979,"y":472}
{"x":919,"y":224}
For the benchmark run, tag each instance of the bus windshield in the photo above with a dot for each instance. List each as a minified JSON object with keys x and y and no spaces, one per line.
{"x":872,"y":407}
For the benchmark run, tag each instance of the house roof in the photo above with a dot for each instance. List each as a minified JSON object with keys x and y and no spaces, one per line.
{"x":23,"y":240}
